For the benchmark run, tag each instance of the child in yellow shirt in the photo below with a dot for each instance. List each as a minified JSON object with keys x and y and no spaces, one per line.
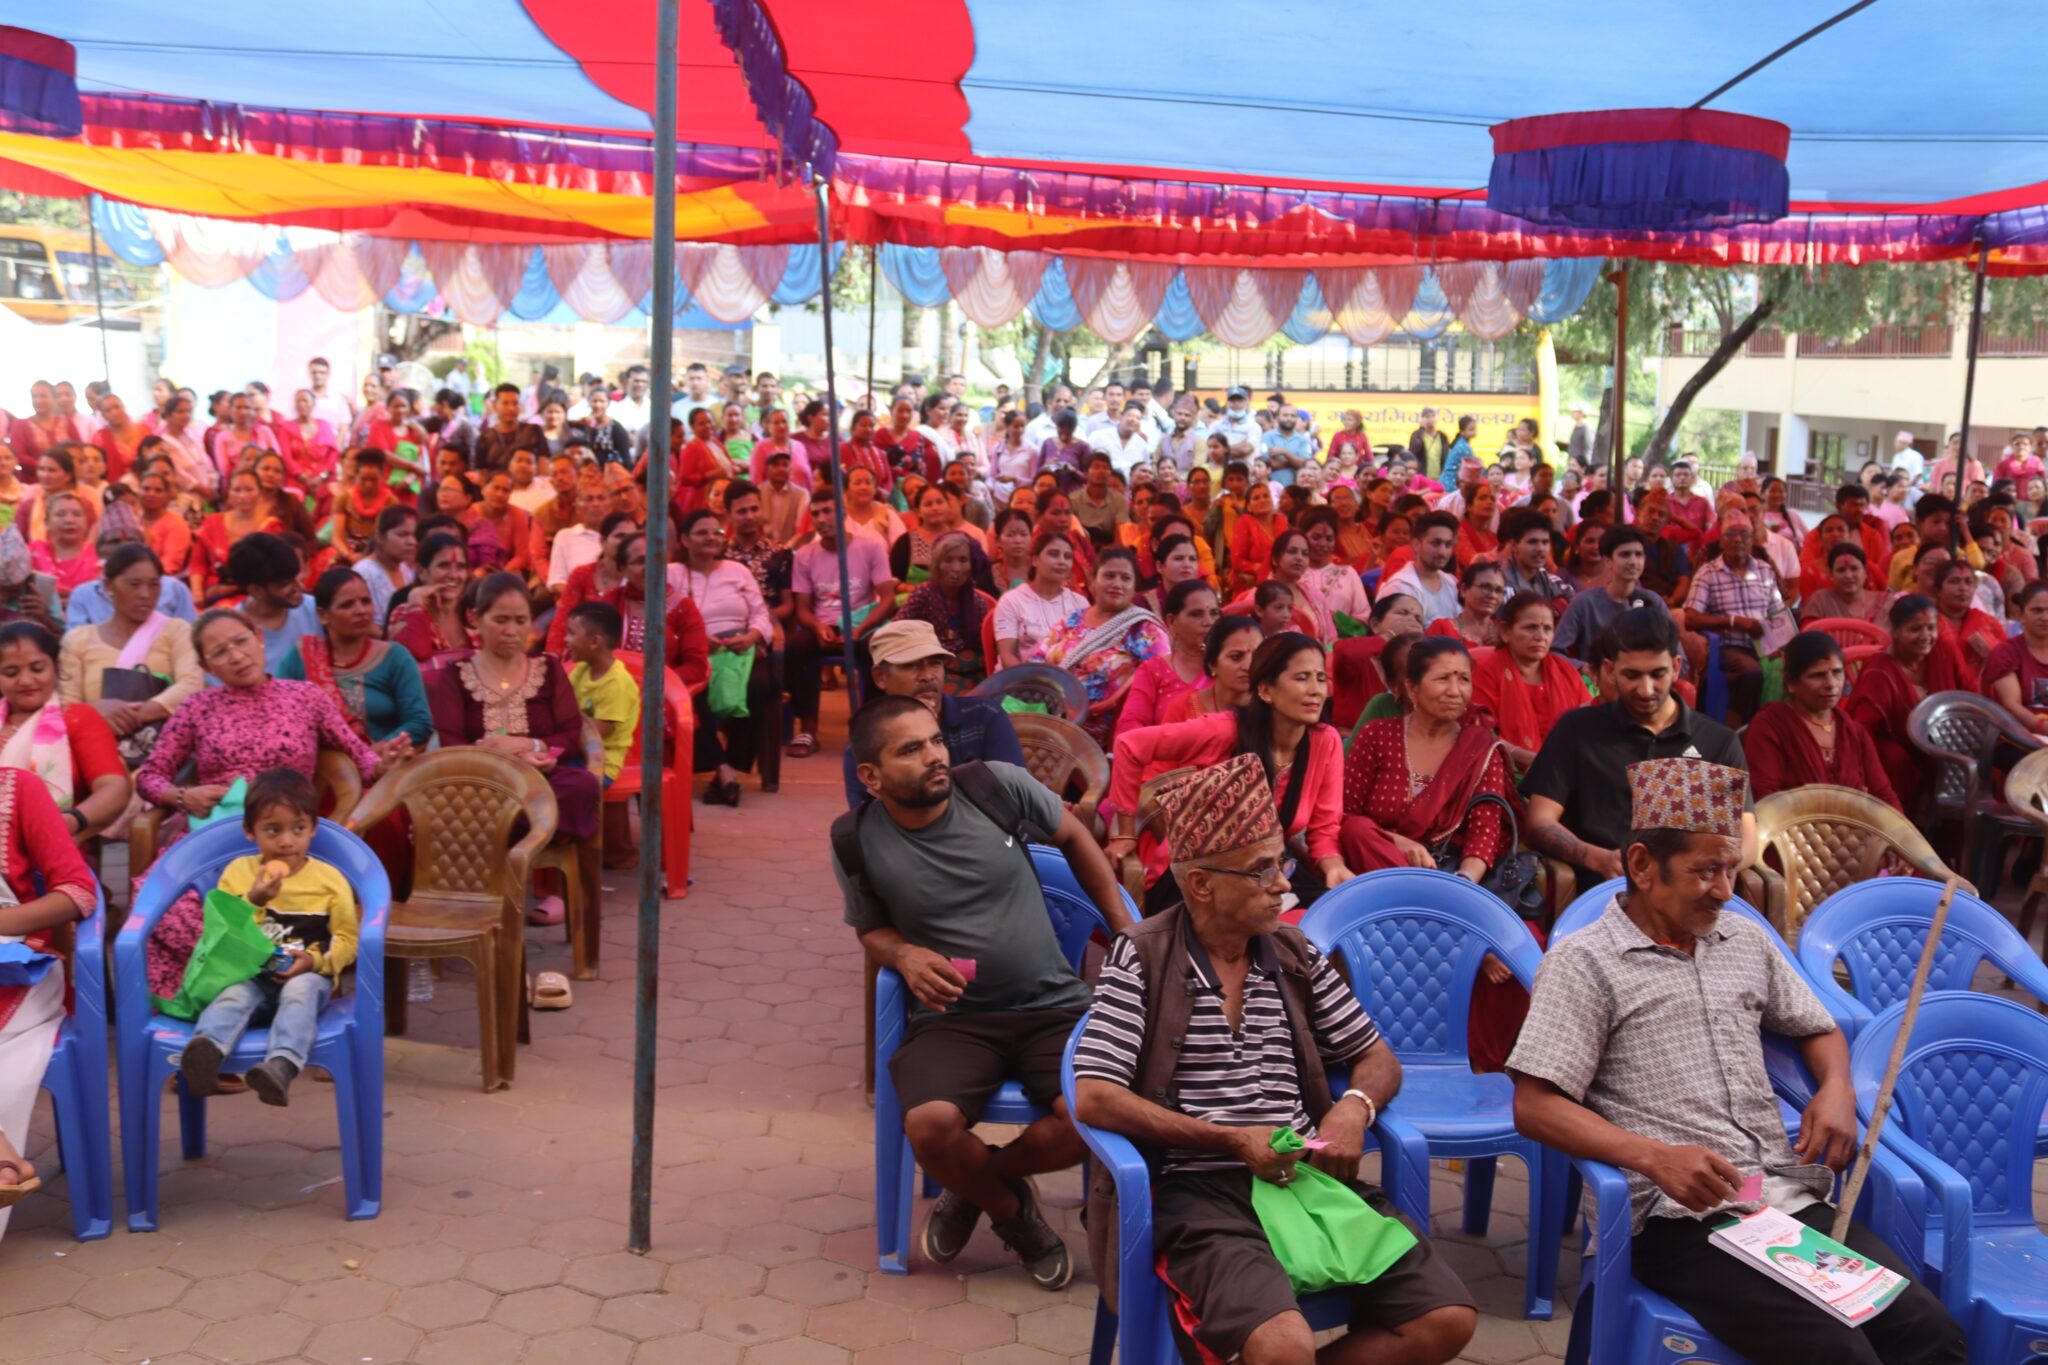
{"x":605,"y":691}
{"x":309,"y":910}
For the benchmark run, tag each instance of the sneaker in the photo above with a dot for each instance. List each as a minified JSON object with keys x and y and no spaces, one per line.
{"x":200,"y":1067}
{"x":1040,"y":1249}
{"x":948,"y":1226}
{"x":271,"y":1079}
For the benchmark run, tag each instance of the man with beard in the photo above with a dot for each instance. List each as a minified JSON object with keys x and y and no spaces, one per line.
{"x":1286,"y":449}
{"x":1643,"y":1048}
{"x":1577,"y":789}
{"x":910,"y":662}
{"x":936,"y":879}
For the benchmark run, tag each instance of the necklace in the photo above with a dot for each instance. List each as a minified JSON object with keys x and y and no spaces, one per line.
{"x":486,"y":665}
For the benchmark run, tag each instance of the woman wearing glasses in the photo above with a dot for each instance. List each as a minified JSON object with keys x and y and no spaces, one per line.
{"x":1480,"y":593}
{"x":1281,"y":723}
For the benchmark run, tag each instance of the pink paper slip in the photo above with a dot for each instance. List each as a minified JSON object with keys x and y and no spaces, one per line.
{"x":963,"y":965}
{"x":1752,"y":1190}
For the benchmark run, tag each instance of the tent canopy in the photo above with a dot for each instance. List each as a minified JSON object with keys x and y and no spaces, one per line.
{"x":1272,"y":130}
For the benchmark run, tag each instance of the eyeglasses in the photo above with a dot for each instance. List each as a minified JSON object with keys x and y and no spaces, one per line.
{"x":1280,"y":874}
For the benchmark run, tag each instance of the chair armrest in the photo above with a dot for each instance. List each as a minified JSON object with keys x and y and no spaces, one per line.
{"x":892,"y":1014}
{"x":1404,"y":1166}
{"x":1130,"y":870}
{"x":1944,"y":1187}
{"x":1137,"y":1283}
{"x":144,"y":832}
{"x":375,"y":805}
{"x":1852,"y":1014}
{"x":1894,"y":1206}
{"x":1615,"y":1236}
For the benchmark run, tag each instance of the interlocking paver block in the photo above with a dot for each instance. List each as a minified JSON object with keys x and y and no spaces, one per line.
{"x":250,"y":1340}
{"x":433,"y":1307}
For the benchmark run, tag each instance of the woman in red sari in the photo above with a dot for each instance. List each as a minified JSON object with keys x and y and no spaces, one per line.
{"x":2016,"y":674}
{"x":1251,"y":539}
{"x":1521,"y":684}
{"x":1356,"y":676}
{"x":1923,"y":659}
{"x":1976,"y":631}
{"x":1482,"y":588}
{"x":1409,"y":783}
{"x":1807,"y":737}
{"x":1477,"y":537}
{"x":218,"y":533}
{"x":310,"y":446}
{"x":430,"y":621}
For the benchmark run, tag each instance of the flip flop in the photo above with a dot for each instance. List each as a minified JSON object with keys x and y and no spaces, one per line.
{"x":803,"y":746}
{"x":548,"y":912}
{"x":549,"y":991}
{"x":13,"y":1194}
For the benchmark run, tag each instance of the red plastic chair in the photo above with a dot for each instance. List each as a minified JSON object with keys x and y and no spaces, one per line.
{"x":676,"y":815}
{"x":1850,"y":632}
{"x":991,"y":664}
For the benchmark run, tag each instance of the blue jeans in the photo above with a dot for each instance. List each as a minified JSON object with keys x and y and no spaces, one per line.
{"x":291,"y":1008}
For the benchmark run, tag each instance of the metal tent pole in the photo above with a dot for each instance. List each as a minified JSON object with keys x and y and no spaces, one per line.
{"x":99,"y":293}
{"x":1969,"y":397}
{"x":874,"y":259}
{"x":647,"y":979}
{"x":854,"y":684}
{"x":1617,"y":450}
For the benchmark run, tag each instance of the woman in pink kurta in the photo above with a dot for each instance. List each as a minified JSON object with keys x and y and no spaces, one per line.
{"x":1289,"y":685}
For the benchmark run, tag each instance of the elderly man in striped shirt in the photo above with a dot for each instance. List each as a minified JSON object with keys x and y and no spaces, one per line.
{"x":1213,"y":1027}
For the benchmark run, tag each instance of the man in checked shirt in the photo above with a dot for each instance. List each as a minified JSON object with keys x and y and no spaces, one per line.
{"x":1643,"y":1048}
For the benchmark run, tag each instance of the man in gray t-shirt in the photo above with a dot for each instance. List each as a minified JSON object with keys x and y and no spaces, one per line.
{"x":946,"y":896}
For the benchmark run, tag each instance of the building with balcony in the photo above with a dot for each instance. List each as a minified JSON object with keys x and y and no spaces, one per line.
{"x":1820,"y":408}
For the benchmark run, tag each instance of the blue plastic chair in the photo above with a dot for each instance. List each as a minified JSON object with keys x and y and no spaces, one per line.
{"x":1964,"y":1116}
{"x":1629,"y":1322}
{"x":77,"y":1081}
{"x":1876,"y":930}
{"x":1137,"y":1328}
{"x":1411,"y":941}
{"x":1075,"y":921}
{"x":350,"y":1043}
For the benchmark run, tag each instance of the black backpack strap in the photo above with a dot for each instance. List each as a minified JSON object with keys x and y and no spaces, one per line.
{"x":992,"y":797}
{"x":846,"y":845}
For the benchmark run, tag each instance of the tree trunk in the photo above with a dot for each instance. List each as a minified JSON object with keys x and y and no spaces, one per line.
{"x":1602,"y":435}
{"x":912,"y":340}
{"x":1731,"y":345}
{"x":1034,"y":377}
{"x":949,"y":359}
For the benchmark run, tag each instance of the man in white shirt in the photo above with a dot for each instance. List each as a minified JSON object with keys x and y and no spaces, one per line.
{"x":1157,"y":421}
{"x":1126,"y":443}
{"x":1043,"y":428}
{"x":631,"y":412}
{"x":1775,"y":550}
{"x":1429,"y":578}
{"x":1906,"y":460}
{"x":338,"y":409}
{"x":1239,"y":424}
{"x":388,"y":567}
{"x":580,"y":544}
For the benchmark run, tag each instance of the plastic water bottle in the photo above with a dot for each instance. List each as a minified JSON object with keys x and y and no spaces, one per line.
{"x":419,"y":980}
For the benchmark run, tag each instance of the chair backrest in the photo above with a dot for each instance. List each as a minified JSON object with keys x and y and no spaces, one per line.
{"x":1064,"y":757}
{"x":1850,"y":633}
{"x":1828,"y":837}
{"x":675,"y":703}
{"x":1411,"y":939}
{"x":1959,"y":730}
{"x":1877,"y":930}
{"x":1059,"y":691}
{"x":2026,"y":787}
{"x":335,"y":774}
{"x":1075,"y":919}
{"x":1971,"y":1091}
{"x":464,"y":803}
{"x":195,"y":863}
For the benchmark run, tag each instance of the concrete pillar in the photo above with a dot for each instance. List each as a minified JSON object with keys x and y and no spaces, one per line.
{"x":1793,"y":440}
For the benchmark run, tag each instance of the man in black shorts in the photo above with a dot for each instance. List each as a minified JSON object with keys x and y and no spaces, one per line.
{"x":1211,"y":1031}
{"x":945,"y":895}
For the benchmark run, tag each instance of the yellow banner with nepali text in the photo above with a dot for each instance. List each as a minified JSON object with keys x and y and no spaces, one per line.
{"x":1390,"y":417}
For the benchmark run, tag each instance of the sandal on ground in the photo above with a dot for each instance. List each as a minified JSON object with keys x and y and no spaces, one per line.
{"x":15,"y":1189}
{"x":803,"y":746}
{"x":549,"y":991}
{"x":549,"y":911}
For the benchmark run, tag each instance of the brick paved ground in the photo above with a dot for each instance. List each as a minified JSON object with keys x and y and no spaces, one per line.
{"x":504,"y":1215}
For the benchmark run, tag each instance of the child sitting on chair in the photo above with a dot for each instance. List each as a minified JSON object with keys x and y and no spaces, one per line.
{"x":309,"y":910}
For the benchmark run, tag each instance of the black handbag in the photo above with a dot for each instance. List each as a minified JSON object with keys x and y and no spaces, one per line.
{"x":1516,"y":877}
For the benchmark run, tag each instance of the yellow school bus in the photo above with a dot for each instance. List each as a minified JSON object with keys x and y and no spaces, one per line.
{"x":46,"y":273}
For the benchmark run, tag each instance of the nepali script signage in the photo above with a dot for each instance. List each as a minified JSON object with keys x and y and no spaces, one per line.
{"x":1390,"y":417}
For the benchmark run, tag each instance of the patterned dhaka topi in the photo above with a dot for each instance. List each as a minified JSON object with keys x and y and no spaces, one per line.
{"x":1215,"y":810}
{"x":1687,"y":794}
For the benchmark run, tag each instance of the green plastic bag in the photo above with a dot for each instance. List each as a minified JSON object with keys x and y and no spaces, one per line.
{"x":1321,"y":1231}
{"x":232,"y":947}
{"x":727,"y":695}
{"x":1350,"y":627}
{"x":1018,"y":706}
{"x":1774,"y":679}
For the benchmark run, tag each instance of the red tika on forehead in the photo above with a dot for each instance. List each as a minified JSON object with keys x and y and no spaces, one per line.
{"x":1214,"y":810}
{"x":1688,"y":794}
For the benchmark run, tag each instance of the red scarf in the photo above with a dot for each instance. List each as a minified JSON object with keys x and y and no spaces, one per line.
{"x":1522,"y":721}
{"x":1430,"y":817}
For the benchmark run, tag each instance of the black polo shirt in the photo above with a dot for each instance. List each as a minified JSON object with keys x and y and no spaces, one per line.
{"x":1583,"y":764}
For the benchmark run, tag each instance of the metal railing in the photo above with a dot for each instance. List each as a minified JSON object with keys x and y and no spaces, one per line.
{"x":1891,"y":341}
{"x":1475,"y":367}
{"x":2034,"y":342}
{"x":1695,"y":343}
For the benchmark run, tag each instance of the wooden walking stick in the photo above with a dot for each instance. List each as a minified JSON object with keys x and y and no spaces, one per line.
{"x":1882,"y":1108}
